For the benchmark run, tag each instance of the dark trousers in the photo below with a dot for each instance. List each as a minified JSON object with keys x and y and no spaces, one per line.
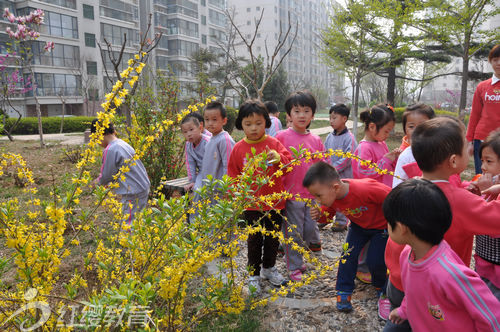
{"x":477,"y":158}
{"x":262,"y":249}
{"x":357,"y":237}
{"x":395,"y":296}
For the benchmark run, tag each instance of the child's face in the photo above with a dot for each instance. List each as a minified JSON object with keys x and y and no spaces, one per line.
{"x":301,"y":117}
{"x":254,"y":126}
{"x":337,"y":121}
{"x":192,"y":132}
{"x":490,"y":161}
{"x":214,"y":122}
{"x":412,"y":121}
{"x":324,"y":193}
{"x":495,"y":64}
{"x":462,"y":161}
{"x":288,"y":121}
{"x":383,"y":133}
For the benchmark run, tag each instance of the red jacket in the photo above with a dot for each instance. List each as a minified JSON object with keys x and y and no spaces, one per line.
{"x":485,"y":113}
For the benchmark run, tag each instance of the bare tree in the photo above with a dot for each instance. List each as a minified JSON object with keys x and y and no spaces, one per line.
{"x":274,"y":57}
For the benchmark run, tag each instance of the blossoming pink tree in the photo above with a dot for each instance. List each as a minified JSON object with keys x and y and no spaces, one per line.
{"x":13,"y":82}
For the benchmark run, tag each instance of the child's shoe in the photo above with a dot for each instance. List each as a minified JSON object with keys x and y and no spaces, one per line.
{"x":344,"y":302}
{"x":272,"y":274}
{"x":315,"y":247}
{"x":364,"y":277}
{"x":384,"y":306}
{"x":254,"y":285}
{"x":296,"y":275}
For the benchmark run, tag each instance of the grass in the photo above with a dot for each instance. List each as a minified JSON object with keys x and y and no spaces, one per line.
{"x":248,"y":320}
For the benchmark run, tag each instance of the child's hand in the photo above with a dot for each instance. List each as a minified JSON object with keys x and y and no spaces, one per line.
{"x":273,"y":157}
{"x":394,"y":317}
{"x":484,"y":182}
{"x":315,"y":212}
{"x":491,"y":193}
{"x":473,"y":188}
{"x":188,"y":187}
{"x":392,"y":155}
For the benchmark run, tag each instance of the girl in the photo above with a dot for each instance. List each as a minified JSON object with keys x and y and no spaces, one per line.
{"x":253,"y":119}
{"x":413,"y":116}
{"x":488,"y":248}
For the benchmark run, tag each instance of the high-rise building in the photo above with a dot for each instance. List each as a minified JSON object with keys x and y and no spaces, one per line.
{"x":303,"y":64}
{"x":74,"y":73}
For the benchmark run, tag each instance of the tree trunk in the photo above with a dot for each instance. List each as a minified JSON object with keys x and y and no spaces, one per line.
{"x":63,"y":105}
{"x":391,"y":84}
{"x":465,"y":77}
{"x":357,"y":84}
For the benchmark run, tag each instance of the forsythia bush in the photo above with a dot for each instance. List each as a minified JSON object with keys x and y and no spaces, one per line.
{"x":151,"y":277}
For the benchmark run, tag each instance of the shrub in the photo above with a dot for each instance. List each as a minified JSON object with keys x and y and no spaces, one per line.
{"x":232,"y":114}
{"x":50,"y":125}
{"x":398,"y":112}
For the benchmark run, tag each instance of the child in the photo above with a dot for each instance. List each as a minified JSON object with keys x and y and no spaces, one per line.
{"x":218,"y":149}
{"x":253,"y":120}
{"x":413,"y":116}
{"x":440,"y":149}
{"x":202,"y":122}
{"x":195,"y":149}
{"x":441,"y":294}
{"x":274,"y":114}
{"x":361,"y":201}
{"x":341,"y":139}
{"x":379,"y":122}
{"x":300,"y":106}
{"x":135,"y":188}
{"x":487,"y":255}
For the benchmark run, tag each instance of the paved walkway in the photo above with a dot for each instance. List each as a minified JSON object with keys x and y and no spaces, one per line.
{"x":65,"y":139}
{"x":327,"y":130}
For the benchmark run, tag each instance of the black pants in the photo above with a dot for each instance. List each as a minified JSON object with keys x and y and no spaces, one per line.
{"x":255,"y":242}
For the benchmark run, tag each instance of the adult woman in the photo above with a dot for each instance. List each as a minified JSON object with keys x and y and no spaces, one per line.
{"x":485,"y":113}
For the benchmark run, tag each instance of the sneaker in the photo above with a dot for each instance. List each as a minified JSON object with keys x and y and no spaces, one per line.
{"x":315,"y":247}
{"x":364,"y":277}
{"x":339,"y":228}
{"x":296,"y":275}
{"x":272,"y":274}
{"x":254,"y":285}
{"x":344,"y":302}
{"x":384,"y":307}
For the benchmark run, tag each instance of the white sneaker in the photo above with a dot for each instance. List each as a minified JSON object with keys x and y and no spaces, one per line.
{"x":254,"y":285}
{"x":274,"y":277}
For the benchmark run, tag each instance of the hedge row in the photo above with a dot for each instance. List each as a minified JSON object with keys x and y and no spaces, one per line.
{"x":51,"y":125}
{"x":398,"y":112}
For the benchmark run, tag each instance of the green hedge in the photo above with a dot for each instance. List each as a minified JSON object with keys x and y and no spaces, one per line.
{"x":398,"y":112}
{"x":51,"y":125}
{"x":231,"y":114}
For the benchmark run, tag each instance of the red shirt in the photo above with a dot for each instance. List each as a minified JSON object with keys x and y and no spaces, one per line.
{"x":472,"y":215}
{"x":392,"y":253}
{"x":485,"y":113}
{"x":363,"y":203}
{"x":242,"y":151}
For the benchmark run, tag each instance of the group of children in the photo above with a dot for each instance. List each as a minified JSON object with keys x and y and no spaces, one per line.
{"x":416,"y":228}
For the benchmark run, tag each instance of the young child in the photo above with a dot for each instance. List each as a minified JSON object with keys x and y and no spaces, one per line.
{"x":440,"y":149}
{"x":361,"y":201}
{"x":262,"y":250}
{"x":487,"y":255}
{"x":300,"y":106}
{"x":192,"y":130}
{"x":220,"y":145}
{"x":340,"y":139}
{"x":202,"y":122}
{"x":441,"y":294}
{"x":413,"y":116}
{"x":379,"y":122}
{"x":134,"y":190}
{"x":274,"y":114}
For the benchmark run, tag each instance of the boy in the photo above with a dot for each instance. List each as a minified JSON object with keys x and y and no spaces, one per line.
{"x":361,"y":201}
{"x":135,"y":188}
{"x":440,"y":292}
{"x":440,"y":149}
{"x":202,"y":122}
{"x":274,"y":114}
{"x":220,"y":145}
{"x":300,"y":106}
{"x":195,"y":149}
{"x":340,"y":139}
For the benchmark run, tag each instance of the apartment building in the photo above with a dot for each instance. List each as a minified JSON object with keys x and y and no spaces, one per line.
{"x":74,"y":73}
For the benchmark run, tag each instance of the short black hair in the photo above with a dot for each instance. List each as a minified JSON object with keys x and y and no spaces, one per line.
{"x":379,"y":114}
{"x":436,"y":140}
{"x":494,"y":53}
{"x":195,"y":117}
{"x":322,"y":173}
{"x":340,"y":109}
{"x":419,"y":108}
{"x":492,"y":141}
{"x":249,"y":107}
{"x":271,"y":106}
{"x":109,"y":130}
{"x":300,"y":98}
{"x":219,"y":106}
{"x":422,"y":207}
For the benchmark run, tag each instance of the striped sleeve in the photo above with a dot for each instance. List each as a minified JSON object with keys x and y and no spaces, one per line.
{"x":190,"y":163}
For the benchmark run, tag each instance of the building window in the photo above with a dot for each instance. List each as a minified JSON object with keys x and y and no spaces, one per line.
{"x":88,"y":11}
{"x":119,"y":10}
{"x":61,"y":55}
{"x":257,"y":9}
{"x":178,"y":26}
{"x":204,"y":39}
{"x":63,"y":3}
{"x":249,"y":10}
{"x":248,"y":22}
{"x":56,"y":24}
{"x":203,"y":20}
{"x":203,"y":3}
{"x":221,"y":4}
{"x":89,"y":39}
{"x":114,"y":34}
{"x":258,"y":35}
{"x":57,"y":85}
{"x":91,"y":67}
{"x":216,"y":18}
{"x":178,"y":46}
